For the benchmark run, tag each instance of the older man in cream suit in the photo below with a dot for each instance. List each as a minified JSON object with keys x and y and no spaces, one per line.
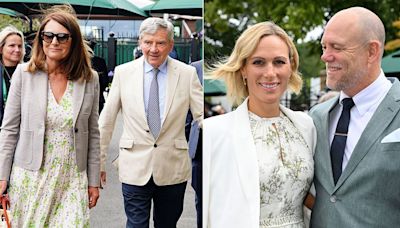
{"x":153,"y":94}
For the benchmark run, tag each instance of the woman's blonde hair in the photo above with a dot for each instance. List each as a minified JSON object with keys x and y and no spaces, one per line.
{"x":77,"y":65}
{"x":8,"y":31}
{"x":229,"y":68}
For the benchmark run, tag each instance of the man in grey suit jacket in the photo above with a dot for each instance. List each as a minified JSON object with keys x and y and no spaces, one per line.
{"x":194,"y":136}
{"x":365,"y":190}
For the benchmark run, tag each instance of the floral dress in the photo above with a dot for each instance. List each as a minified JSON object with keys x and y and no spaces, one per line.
{"x":286,"y":170}
{"x":57,"y":194}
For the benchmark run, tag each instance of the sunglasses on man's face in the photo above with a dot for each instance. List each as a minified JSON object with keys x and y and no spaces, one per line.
{"x":49,"y":36}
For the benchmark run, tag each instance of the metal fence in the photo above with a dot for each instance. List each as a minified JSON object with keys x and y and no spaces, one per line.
{"x":122,"y":50}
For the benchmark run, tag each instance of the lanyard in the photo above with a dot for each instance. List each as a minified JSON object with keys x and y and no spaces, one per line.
{"x":4,"y":90}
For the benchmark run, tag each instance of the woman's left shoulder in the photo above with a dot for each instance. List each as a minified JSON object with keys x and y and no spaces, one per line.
{"x":298,"y":115}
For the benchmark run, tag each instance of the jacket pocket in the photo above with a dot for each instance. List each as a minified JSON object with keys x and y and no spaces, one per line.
{"x":24,"y":149}
{"x":181,"y":144}
{"x":126,"y":143}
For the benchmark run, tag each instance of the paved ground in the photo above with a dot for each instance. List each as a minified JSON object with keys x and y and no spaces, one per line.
{"x":109,"y":212}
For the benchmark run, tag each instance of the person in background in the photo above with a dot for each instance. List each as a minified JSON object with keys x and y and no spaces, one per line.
{"x":327,"y":96}
{"x":49,"y":139}
{"x":194,"y":136}
{"x":258,"y":160}
{"x":154,"y":94}
{"x":357,"y":155}
{"x":99,"y":65}
{"x":12,"y":51}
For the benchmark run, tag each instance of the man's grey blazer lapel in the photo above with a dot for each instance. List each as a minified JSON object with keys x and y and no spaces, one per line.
{"x":78,"y":93}
{"x":322,"y":153}
{"x":382,"y":117}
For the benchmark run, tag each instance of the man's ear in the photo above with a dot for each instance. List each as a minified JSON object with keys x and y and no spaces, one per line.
{"x":374,"y":50}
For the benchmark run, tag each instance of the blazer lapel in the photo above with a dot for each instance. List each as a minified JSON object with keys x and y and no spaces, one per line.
{"x":135,"y":76}
{"x":387,"y":110}
{"x":245,"y":153}
{"x":172,"y":82}
{"x":77,"y":97}
{"x":322,"y":151}
{"x":41,"y":90}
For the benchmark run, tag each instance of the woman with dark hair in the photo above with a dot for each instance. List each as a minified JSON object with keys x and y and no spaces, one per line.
{"x":49,"y":142}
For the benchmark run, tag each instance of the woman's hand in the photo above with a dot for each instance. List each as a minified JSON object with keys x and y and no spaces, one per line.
{"x":309,"y":201}
{"x":3,"y":186}
{"x":93,"y":196}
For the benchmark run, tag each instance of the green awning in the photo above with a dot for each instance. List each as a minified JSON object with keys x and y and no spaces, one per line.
{"x":107,"y":7}
{"x":175,"y":4}
{"x":391,"y":63}
{"x":183,"y":7}
{"x":10,"y":12}
{"x":214,"y":87}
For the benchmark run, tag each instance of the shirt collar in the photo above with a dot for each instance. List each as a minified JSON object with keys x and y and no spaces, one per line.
{"x":162,"y":68}
{"x":366,"y":98}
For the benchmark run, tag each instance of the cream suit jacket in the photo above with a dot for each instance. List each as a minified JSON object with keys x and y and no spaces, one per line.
{"x":141,"y":155}
{"x":231,"y":186}
{"x":23,"y":129}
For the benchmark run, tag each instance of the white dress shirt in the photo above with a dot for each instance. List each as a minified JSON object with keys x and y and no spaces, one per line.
{"x":162,"y":85}
{"x":366,"y":102}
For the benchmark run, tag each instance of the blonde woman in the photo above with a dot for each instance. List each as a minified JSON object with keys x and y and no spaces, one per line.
{"x":12,"y":51}
{"x":258,"y":159}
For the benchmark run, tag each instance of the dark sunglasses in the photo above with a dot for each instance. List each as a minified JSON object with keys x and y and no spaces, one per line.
{"x":49,"y":36}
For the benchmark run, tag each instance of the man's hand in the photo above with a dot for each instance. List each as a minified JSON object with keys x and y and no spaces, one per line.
{"x":103,"y":179}
{"x":93,"y":196}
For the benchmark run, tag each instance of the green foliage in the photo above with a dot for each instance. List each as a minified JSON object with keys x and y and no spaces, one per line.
{"x":226,"y":20}
{"x":296,"y":17}
{"x":395,"y":43}
{"x":21,"y":24}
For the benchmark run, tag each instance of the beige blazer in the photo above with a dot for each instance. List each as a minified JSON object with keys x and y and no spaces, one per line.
{"x":231,"y":187}
{"x":141,"y":155}
{"x":23,"y":128}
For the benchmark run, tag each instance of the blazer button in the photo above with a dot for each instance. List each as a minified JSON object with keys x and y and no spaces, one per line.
{"x":333,"y":199}
{"x":155,"y":145}
{"x":76,"y":130}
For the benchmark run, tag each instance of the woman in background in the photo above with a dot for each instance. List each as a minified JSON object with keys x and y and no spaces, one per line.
{"x":258,"y":160}
{"x":12,"y":51}
{"x":49,"y":141}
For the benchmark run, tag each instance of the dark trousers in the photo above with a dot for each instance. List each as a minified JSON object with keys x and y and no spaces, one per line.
{"x":197,"y":180}
{"x":197,"y":186}
{"x":167,"y":200}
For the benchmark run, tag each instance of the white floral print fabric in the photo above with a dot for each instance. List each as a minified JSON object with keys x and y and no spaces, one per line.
{"x":286,"y":170}
{"x":57,"y":194}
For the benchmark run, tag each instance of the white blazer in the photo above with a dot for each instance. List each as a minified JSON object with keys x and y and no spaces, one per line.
{"x":231,"y":188}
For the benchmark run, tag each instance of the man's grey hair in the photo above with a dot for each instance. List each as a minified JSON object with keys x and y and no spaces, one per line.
{"x":152,"y":24}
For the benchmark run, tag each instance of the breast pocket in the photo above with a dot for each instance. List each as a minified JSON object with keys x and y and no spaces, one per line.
{"x":392,"y":146}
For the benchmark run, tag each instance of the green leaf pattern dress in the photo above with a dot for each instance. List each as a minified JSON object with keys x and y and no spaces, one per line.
{"x":57,"y":194}
{"x":286,"y":169}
